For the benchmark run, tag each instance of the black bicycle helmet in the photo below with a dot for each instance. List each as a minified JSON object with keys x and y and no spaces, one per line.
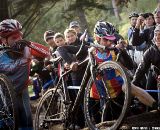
{"x":105,"y":30}
{"x":8,"y":27}
{"x":133,"y":14}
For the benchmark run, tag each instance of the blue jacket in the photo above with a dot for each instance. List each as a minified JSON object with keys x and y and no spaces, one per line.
{"x":17,"y":69}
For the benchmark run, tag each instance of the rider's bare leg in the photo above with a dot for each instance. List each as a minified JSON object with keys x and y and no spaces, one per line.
{"x":143,"y":96}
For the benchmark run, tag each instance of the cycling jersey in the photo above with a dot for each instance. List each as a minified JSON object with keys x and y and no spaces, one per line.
{"x":111,"y":77}
{"x":17,"y":65}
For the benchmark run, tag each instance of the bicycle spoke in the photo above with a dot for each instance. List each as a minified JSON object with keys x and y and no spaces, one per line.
{"x":112,"y":105}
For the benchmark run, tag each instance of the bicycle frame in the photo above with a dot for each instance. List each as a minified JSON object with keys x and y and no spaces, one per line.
{"x":88,"y":72}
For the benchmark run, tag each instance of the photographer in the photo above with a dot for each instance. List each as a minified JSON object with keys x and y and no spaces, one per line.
{"x":151,"y":57}
{"x":147,"y":34}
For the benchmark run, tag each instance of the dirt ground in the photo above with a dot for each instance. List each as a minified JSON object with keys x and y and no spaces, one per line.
{"x":145,"y":121}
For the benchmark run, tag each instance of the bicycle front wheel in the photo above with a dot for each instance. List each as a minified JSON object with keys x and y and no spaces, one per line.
{"x":50,"y":111}
{"x":8,"y":111}
{"x":107,"y":97}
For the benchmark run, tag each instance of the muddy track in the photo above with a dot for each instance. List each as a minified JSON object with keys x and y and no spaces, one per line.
{"x":145,"y":121}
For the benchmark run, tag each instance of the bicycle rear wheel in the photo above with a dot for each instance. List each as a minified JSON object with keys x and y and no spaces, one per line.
{"x":105,"y":105}
{"x":50,"y":111}
{"x":8,"y":111}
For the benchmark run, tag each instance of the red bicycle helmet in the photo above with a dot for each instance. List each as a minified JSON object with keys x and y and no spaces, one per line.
{"x":8,"y":27}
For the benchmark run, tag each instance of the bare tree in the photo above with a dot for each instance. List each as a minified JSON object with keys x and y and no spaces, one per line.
{"x":116,"y":11}
{"x":28,"y":12}
{"x":81,"y":14}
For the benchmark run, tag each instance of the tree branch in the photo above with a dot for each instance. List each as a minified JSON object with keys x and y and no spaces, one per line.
{"x":33,"y":24}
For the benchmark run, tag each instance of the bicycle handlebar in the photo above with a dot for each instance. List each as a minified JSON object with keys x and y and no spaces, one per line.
{"x":103,"y":47}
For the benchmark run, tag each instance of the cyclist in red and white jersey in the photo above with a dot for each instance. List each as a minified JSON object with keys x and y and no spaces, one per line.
{"x":16,"y":65}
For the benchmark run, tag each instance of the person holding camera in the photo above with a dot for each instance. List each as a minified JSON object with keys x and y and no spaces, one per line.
{"x":151,"y":58}
{"x":147,"y":34}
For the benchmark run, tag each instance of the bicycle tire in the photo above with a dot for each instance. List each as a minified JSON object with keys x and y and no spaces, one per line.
{"x":9,"y":113}
{"x":55,"y":111}
{"x":98,"y":111}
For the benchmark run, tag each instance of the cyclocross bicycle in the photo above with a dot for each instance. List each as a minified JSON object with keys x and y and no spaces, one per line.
{"x":56,"y":111}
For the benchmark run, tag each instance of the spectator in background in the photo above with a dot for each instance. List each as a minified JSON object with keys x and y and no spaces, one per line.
{"x":149,"y":20}
{"x":49,"y":39}
{"x":68,"y":53}
{"x":133,"y":19}
{"x":151,"y":57}
{"x":148,"y":33}
{"x":59,"y":39}
{"x":71,"y":37}
{"x":146,"y":36}
{"x":75,"y":25}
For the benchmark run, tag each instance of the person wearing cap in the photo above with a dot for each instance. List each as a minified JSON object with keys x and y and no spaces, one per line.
{"x":75,"y":25}
{"x":133,"y":19}
{"x":151,"y":57}
{"x":49,"y":39}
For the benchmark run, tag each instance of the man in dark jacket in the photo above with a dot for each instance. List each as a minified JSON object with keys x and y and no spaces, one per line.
{"x":146,"y":36}
{"x":151,"y":57}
